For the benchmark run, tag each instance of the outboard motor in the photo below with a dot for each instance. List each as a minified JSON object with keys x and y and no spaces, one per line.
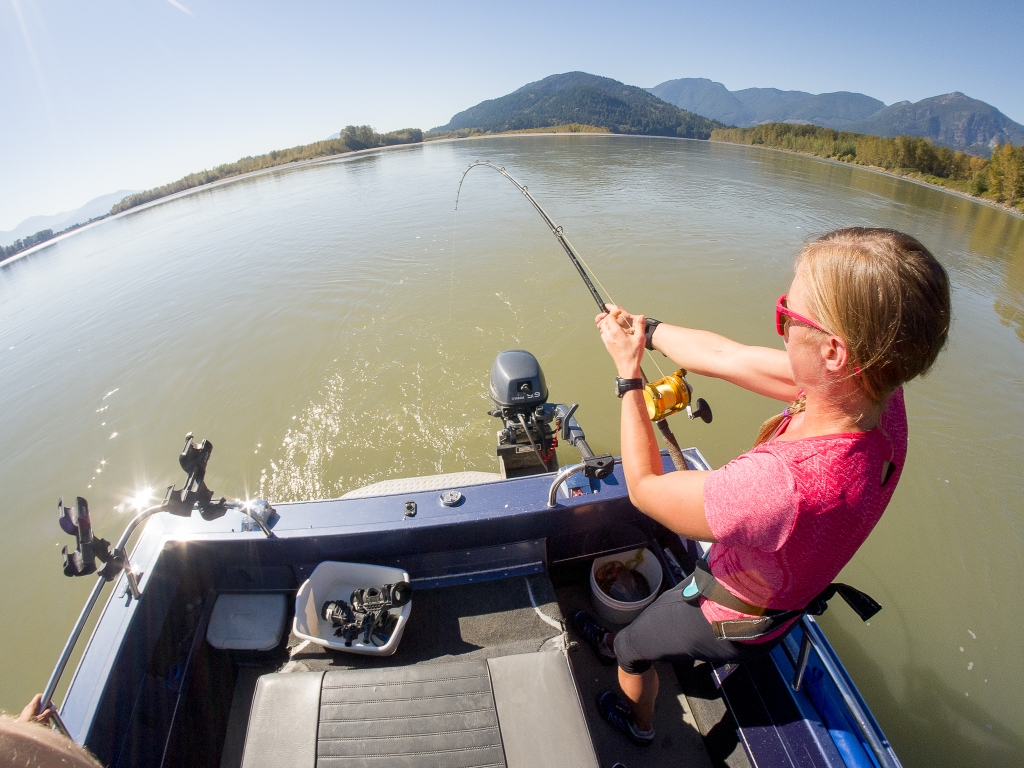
{"x":527,"y":442}
{"x":529,"y":437}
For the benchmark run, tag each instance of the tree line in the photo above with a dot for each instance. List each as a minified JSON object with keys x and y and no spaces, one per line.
{"x":352,"y":139}
{"x":6,"y":251}
{"x":40,"y":237}
{"x":999,"y":178}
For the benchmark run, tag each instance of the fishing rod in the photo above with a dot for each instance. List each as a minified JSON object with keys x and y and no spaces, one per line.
{"x":669,"y":394}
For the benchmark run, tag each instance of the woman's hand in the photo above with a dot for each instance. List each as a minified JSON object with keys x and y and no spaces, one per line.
{"x":618,"y":330}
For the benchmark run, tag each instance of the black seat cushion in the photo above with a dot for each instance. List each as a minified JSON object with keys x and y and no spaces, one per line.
{"x":510,"y":712}
{"x":426,"y":716}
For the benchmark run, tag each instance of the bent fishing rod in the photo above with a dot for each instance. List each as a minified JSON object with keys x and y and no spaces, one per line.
{"x":668,"y":395}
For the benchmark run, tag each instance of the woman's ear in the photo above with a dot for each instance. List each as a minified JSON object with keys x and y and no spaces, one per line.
{"x":836,"y":354}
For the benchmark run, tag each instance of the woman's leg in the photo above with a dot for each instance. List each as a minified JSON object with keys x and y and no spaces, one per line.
{"x":673,"y":630}
{"x":642,"y":691}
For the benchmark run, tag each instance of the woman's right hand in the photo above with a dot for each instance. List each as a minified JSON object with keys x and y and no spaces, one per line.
{"x":624,"y":345}
{"x":626,"y":320}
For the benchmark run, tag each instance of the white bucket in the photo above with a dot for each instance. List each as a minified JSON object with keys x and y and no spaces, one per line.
{"x":333,"y":581}
{"x":615,"y":611}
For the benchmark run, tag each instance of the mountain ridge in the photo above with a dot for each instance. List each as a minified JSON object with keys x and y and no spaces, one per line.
{"x":953,"y":120}
{"x":579,"y":97}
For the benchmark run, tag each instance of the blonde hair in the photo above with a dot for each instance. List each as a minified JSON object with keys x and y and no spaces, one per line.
{"x":32,"y":744}
{"x":886,"y":296}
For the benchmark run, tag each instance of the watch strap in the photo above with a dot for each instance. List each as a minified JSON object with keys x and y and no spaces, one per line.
{"x":622,"y":386}
{"x":649,"y":325}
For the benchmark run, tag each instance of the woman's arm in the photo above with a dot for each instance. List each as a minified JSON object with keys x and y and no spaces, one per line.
{"x":675,"y":500}
{"x":762,"y":370}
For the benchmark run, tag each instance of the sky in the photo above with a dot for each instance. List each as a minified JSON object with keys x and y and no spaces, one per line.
{"x":101,"y":95}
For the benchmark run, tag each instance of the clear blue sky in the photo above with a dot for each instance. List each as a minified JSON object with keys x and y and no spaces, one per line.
{"x":100,"y":95}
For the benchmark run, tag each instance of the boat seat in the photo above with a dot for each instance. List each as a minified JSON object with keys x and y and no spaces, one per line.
{"x":517,"y":711}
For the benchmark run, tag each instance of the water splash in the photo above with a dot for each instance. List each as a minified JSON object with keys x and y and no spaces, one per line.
{"x":382,"y":420}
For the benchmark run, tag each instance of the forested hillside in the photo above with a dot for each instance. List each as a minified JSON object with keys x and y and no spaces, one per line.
{"x":953,"y":120}
{"x":578,"y":97}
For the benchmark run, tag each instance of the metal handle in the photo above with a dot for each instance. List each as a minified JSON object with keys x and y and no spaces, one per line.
{"x":560,"y":478}
{"x":94,"y":596}
{"x":564,"y":475}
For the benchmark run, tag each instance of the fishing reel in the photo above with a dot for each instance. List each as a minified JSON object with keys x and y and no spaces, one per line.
{"x":368,"y":614}
{"x":672,"y":394}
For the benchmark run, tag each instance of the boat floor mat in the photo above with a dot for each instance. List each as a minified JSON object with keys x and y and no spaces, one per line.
{"x":678,"y":740}
{"x":471,"y":621}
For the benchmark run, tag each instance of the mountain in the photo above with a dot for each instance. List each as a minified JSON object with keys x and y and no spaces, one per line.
{"x":753,"y":106}
{"x":766,"y":99}
{"x":578,"y":97}
{"x":953,"y":120}
{"x":705,"y":97}
{"x":58,"y":221}
{"x":714,"y":100}
{"x":832,"y":110}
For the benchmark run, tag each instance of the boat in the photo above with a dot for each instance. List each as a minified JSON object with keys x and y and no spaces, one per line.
{"x":209,"y":650}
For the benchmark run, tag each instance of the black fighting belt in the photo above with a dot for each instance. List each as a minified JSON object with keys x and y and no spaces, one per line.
{"x":702,"y":583}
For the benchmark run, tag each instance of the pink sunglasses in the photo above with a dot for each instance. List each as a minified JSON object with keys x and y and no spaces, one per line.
{"x":782,"y":312}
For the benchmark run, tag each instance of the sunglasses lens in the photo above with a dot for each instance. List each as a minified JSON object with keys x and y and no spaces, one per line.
{"x":780,"y":318}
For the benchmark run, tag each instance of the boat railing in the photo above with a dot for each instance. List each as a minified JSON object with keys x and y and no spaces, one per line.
{"x":258,"y":511}
{"x":814,"y":639}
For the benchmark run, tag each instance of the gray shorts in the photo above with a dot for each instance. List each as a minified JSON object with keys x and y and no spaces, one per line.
{"x":673,"y":630}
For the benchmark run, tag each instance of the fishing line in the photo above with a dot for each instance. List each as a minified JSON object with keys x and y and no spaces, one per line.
{"x":585,"y":270}
{"x":451,"y":283}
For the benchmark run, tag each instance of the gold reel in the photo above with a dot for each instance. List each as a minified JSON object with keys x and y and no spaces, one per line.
{"x":667,"y":395}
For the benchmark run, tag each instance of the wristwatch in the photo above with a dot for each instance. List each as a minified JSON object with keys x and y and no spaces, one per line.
{"x":622,"y":386}
{"x":649,"y":325}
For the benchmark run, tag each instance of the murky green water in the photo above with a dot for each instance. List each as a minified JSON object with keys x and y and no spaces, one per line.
{"x":316,"y":326}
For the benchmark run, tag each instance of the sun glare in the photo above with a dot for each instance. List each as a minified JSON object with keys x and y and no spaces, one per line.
{"x":141,"y":499}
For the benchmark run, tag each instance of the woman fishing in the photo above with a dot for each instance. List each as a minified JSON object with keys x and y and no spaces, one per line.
{"x":868,"y":311}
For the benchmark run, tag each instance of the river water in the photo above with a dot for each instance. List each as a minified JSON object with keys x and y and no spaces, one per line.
{"x":317,"y":326}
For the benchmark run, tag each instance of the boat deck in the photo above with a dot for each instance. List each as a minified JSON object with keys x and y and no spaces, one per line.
{"x":502,"y":618}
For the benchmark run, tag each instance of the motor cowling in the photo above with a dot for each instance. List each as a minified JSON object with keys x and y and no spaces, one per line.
{"x":517,"y":380}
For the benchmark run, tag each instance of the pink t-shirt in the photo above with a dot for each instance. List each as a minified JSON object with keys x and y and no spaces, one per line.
{"x":789,"y":515}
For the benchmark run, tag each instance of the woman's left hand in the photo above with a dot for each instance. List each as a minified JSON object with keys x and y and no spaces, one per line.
{"x":618,"y":332}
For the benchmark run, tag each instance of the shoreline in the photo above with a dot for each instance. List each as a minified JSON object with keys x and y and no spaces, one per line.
{"x":347,"y":155}
{"x":204,"y":187}
{"x":875,"y":169}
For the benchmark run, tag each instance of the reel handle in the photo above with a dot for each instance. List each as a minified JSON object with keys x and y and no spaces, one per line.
{"x":702,"y":411}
